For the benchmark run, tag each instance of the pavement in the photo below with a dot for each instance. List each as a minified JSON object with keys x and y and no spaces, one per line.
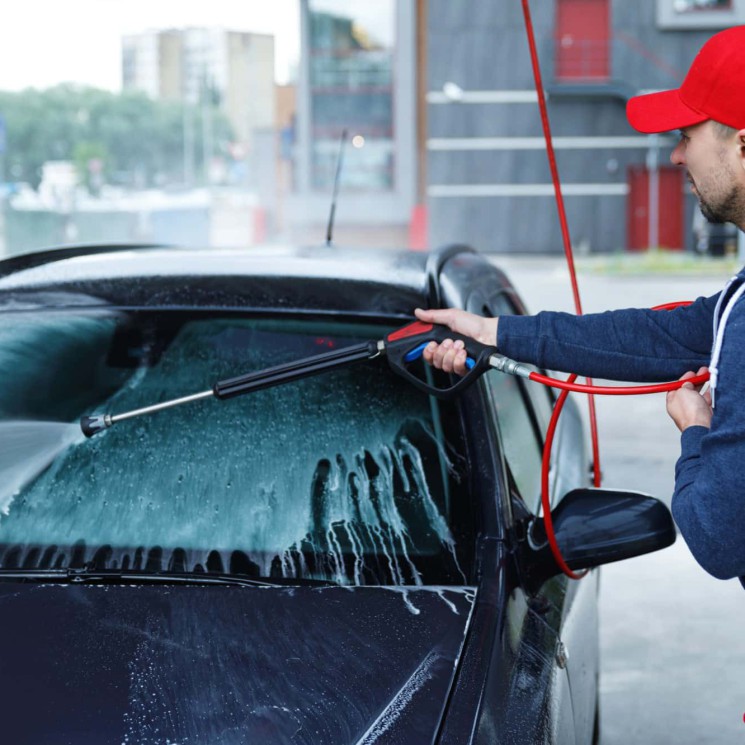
{"x":672,"y":642}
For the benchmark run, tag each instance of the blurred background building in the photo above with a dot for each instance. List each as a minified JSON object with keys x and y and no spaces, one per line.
{"x":231,"y":69}
{"x":426,"y":109}
{"x":357,"y":75}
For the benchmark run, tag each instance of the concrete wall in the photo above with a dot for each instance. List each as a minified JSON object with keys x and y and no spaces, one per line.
{"x":482,"y":48}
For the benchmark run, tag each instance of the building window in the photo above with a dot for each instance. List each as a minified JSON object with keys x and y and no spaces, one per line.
{"x":351,"y":88}
{"x":700,"y":14}
{"x":693,"y":6}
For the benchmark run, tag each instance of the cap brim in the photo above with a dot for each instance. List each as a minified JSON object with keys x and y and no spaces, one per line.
{"x":661,"y":112}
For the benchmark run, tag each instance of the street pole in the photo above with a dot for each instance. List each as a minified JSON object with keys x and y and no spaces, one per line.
{"x":206,"y":111}
{"x":188,"y":125}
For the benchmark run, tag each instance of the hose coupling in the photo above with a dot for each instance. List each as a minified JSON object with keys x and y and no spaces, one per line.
{"x":508,"y":366}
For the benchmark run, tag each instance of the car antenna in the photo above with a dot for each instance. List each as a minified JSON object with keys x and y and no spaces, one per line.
{"x":339,"y":163}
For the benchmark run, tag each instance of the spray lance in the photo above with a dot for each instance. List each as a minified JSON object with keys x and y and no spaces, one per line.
{"x":402,"y":348}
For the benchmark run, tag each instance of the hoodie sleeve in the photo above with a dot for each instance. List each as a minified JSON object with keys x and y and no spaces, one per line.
{"x":709,"y":498}
{"x":634,"y":344}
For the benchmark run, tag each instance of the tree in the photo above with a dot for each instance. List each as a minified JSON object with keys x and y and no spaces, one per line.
{"x":140,"y":141}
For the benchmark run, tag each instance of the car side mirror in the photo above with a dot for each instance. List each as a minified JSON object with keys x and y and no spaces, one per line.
{"x":600,"y":526}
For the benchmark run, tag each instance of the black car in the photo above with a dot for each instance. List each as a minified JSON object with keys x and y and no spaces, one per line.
{"x":339,"y":559}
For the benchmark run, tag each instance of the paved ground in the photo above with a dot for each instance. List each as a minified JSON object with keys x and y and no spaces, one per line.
{"x":672,"y":642}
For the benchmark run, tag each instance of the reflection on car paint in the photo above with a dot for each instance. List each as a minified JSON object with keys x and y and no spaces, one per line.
{"x":226,"y":665}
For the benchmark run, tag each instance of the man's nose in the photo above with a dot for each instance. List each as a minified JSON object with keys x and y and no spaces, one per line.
{"x":677,"y":157}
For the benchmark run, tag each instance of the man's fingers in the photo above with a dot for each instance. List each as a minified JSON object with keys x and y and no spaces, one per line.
{"x":687,"y":376}
{"x":439,"y":355}
{"x":442,"y":316}
{"x":454,"y":361}
{"x":429,"y":352}
{"x":459,"y":322}
{"x":449,"y":356}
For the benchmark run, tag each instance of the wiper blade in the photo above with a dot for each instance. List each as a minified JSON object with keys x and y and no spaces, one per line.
{"x":93,"y":576}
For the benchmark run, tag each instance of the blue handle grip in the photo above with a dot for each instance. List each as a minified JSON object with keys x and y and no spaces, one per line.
{"x":417,"y":352}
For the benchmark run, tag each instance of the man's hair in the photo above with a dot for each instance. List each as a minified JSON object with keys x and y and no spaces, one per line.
{"x":723,"y":131}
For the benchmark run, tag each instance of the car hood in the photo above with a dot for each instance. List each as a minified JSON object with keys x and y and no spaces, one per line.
{"x":222,"y":664}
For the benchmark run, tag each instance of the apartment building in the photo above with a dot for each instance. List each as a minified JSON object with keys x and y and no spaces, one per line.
{"x":233,"y":70}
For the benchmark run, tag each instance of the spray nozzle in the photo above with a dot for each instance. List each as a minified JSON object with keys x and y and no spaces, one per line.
{"x":92,"y":425}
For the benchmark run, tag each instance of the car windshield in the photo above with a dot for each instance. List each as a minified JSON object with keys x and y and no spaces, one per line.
{"x":344,"y":477}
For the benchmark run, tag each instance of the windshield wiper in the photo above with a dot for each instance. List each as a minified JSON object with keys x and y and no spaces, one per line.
{"x":119,"y":576}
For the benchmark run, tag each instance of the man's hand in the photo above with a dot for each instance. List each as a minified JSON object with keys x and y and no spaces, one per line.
{"x":687,"y":406}
{"x":450,"y":356}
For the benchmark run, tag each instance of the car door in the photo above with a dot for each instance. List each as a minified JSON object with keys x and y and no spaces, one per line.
{"x":569,"y":653}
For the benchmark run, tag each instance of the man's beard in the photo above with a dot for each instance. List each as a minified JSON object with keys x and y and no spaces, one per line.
{"x":717,"y":208}
{"x":728,"y":209}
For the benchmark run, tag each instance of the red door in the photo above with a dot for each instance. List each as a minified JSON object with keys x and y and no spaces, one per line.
{"x":671,"y":208}
{"x":582,"y":40}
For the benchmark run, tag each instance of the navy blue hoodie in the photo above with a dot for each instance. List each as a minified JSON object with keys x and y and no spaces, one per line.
{"x":644,"y":345}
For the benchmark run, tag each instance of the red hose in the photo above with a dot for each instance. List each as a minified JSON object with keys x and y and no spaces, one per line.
{"x":597,"y":477}
{"x":548,"y":523}
{"x":615,"y":390}
{"x":567,"y":386}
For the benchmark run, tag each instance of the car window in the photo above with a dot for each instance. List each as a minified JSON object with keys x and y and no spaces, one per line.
{"x":541,"y":397}
{"x":522,"y":411}
{"x":521,"y":447}
{"x":344,"y":476}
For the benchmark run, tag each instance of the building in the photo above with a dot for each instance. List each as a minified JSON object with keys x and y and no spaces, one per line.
{"x":357,"y":77}
{"x":441,"y":95}
{"x":427,"y":109}
{"x":487,"y":177}
{"x":229,"y":69}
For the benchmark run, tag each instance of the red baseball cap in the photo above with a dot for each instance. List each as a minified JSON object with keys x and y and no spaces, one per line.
{"x":712,"y":89}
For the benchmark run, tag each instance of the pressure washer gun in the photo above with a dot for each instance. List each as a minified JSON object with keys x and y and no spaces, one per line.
{"x":402,"y":348}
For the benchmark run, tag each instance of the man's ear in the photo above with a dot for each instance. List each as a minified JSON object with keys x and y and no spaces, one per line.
{"x":741,"y":147}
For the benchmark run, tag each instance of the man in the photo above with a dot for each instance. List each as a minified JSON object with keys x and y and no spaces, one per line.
{"x":709,"y":499}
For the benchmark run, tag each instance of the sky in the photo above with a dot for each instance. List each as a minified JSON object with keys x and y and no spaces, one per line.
{"x":45,"y":42}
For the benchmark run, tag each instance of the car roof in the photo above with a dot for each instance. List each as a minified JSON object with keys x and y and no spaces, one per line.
{"x":380,"y":282}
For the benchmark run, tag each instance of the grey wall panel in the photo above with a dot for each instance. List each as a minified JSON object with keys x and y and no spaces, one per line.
{"x":530,"y":225}
{"x":484,"y":120}
{"x":479,"y":59}
{"x":571,"y":117}
{"x":504,"y":15}
{"x":531,"y":166}
{"x":568,"y":117}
